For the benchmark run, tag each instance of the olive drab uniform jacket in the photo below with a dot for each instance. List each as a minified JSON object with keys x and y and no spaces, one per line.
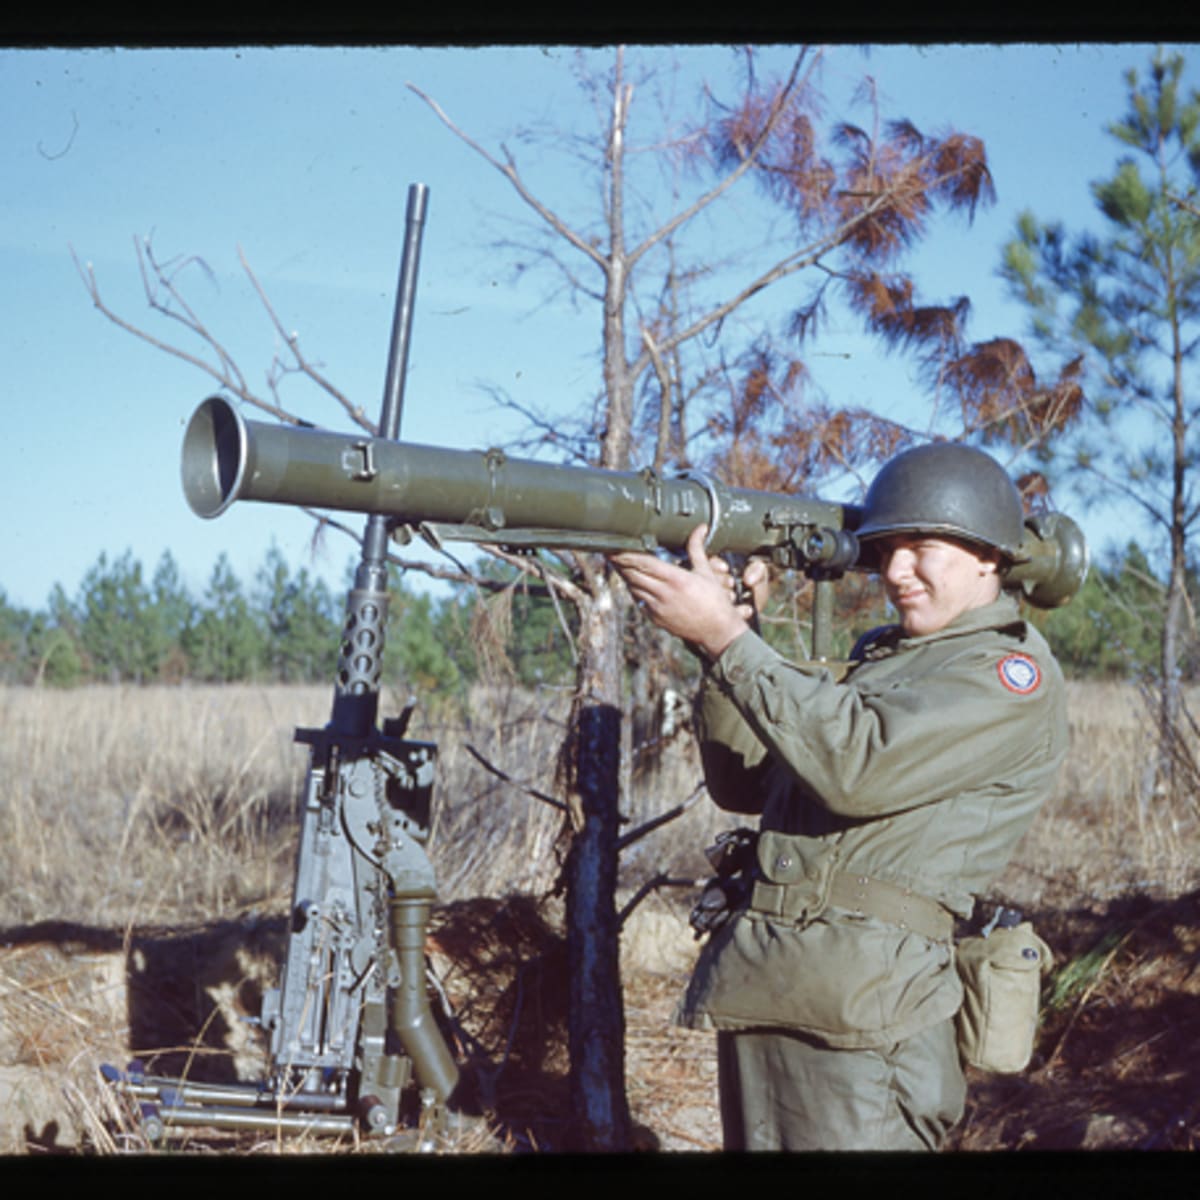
{"x":889,"y":798}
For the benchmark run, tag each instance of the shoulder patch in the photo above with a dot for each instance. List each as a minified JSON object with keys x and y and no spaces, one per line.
{"x":1019,"y":673}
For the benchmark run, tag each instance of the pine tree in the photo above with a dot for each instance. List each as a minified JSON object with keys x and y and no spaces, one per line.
{"x":1112,"y":629}
{"x":418,"y":661}
{"x":300,"y":620}
{"x":118,"y":628}
{"x":1126,"y":306}
{"x":225,"y":641}
{"x":15,"y":628}
{"x":172,"y":608}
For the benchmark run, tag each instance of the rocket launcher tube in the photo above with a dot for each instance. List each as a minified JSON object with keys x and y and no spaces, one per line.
{"x":490,"y":497}
{"x":478,"y":495}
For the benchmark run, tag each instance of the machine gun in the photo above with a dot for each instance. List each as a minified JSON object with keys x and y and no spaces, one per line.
{"x":352,"y":1034}
{"x":354,"y":1045}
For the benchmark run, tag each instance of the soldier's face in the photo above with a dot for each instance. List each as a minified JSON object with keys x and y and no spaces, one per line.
{"x":932,"y":580}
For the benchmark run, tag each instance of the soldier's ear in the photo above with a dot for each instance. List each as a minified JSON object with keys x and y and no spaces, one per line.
{"x":989,"y":561}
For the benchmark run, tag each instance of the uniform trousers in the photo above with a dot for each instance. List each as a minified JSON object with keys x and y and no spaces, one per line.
{"x":783,"y":1090}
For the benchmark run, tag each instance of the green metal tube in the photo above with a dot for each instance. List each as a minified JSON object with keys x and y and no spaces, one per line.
{"x":489,"y":497}
{"x":227,"y":458}
{"x":165,"y":1118}
{"x":822,"y":618}
{"x":411,"y":1018}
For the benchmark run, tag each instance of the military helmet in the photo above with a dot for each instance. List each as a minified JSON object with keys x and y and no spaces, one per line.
{"x":945,"y":488}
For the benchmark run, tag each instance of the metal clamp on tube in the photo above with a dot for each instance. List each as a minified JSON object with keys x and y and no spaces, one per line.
{"x":714,"y":501}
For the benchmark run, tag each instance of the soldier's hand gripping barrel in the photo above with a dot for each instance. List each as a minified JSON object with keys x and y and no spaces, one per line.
{"x":492,"y":498}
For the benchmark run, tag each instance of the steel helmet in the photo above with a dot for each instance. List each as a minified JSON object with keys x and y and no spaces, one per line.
{"x":945,"y":488}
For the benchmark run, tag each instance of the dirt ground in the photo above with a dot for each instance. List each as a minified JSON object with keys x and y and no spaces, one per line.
{"x":1117,"y":1066}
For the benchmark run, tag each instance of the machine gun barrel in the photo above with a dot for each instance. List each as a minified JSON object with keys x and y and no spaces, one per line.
{"x":490,"y":497}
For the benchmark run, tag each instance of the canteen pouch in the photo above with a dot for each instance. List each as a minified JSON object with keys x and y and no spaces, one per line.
{"x":1001,"y":977}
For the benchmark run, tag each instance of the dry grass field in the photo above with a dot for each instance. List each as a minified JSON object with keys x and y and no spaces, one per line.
{"x":147,"y":835}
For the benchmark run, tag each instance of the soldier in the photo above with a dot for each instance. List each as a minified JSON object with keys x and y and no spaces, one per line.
{"x":890,"y":794}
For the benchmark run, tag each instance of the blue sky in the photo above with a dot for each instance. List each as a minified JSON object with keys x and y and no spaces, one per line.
{"x":303,"y":158}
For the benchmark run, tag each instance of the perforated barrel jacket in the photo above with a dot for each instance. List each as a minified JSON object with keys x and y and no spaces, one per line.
{"x":921,"y":767}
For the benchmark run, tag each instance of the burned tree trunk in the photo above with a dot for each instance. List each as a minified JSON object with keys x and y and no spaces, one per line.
{"x":592,"y":763}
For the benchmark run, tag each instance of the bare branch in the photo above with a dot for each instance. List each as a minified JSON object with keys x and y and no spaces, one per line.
{"x":635,"y":835}
{"x":549,"y":430}
{"x":662,"y":438}
{"x":182,"y":310}
{"x":1120,"y":485}
{"x":530,"y":565}
{"x":652,"y":884}
{"x":223,"y":377}
{"x":1186,"y":205}
{"x":553,"y":801}
{"x":555,"y":586}
{"x":157,"y":279}
{"x":806,"y":257}
{"x":749,"y":161}
{"x":292,"y":341}
{"x":509,"y":170}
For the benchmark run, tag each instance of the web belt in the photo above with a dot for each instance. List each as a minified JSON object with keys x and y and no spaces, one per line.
{"x":864,"y":895}
{"x":890,"y":902}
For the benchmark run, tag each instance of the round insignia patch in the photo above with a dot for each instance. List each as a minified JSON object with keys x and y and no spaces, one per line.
{"x":1019,"y":673}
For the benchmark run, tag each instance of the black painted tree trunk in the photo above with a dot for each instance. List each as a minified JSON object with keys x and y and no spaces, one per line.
{"x":596,"y":1014}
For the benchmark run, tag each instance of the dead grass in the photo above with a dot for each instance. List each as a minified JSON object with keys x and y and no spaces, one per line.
{"x":1102,"y":835}
{"x":146,"y":842}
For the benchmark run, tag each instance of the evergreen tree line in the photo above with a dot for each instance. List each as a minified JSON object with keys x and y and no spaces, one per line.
{"x":124,"y":625}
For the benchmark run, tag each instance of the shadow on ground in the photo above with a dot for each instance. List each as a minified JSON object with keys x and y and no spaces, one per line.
{"x":1118,"y":1051}
{"x":1116,"y":1064}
